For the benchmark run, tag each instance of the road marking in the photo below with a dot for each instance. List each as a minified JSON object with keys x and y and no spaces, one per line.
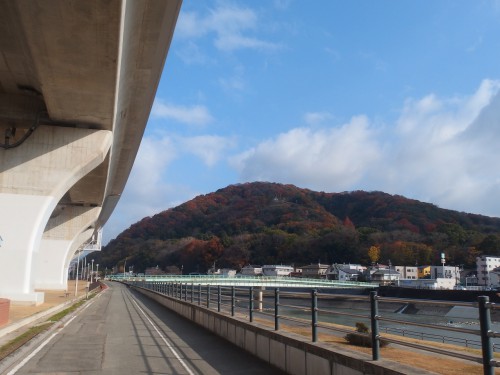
{"x":33,"y":353}
{"x":170,"y":346}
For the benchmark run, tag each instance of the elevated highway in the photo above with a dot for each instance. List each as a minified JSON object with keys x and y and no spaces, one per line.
{"x":77,"y":82}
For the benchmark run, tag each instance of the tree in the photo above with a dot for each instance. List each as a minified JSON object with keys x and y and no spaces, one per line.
{"x":490,"y":245}
{"x":374,"y":254}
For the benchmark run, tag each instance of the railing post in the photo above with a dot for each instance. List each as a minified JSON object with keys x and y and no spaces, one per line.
{"x":192,"y":292}
{"x":185,"y":291}
{"x":218,"y":298}
{"x":276,"y":309}
{"x":314,"y":311}
{"x":374,"y":322}
{"x":485,"y":324}
{"x":232,"y":300}
{"x":261,"y":297}
{"x":250,"y":304}
{"x":208,"y":296}
{"x":199,"y":294}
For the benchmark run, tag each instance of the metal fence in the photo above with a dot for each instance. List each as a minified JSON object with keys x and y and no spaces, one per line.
{"x":314,"y":309}
{"x":241,"y":281}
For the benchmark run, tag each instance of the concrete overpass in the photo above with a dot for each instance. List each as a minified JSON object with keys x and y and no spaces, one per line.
{"x":77,"y":82}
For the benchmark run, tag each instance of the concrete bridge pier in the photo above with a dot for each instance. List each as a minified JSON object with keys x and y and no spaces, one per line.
{"x":60,"y":241}
{"x":34,"y":179}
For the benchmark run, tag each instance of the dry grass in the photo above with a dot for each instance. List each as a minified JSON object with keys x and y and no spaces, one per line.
{"x":436,"y":363}
{"x":14,"y":344}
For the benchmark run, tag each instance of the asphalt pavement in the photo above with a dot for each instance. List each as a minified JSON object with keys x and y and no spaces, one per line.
{"x":122,"y":332}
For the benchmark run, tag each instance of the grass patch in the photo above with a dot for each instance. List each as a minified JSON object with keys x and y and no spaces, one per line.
{"x":16,"y":343}
{"x":19,"y":341}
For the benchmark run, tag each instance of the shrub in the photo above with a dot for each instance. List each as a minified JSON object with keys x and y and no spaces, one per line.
{"x":362,"y":337}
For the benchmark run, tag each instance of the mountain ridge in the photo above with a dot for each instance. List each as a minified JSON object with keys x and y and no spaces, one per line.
{"x":261,"y":222}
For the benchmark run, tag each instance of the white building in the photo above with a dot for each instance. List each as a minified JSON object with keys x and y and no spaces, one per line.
{"x":445,"y":272}
{"x":276,"y":270}
{"x":345,"y":272}
{"x":407,"y":272}
{"x":250,"y":270}
{"x":441,"y":283}
{"x":485,"y":264}
{"x":385,"y":276}
{"x":226,"y":272}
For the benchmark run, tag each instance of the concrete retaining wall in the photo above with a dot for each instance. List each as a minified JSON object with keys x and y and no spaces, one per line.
{"x":288,"y":352}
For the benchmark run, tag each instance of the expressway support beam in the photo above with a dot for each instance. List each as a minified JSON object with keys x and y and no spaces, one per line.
{"x":63,"y":236}
{"x":34,"y":177}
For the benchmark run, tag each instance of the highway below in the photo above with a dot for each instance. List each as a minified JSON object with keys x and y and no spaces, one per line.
{"x":122,"y":332}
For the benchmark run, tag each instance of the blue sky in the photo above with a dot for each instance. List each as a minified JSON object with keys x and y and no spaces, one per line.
{"x":394,"y":96}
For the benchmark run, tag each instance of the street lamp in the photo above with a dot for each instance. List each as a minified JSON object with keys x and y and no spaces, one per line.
{"x":97,"y":272}
{"x":76,"y":278}
{"x":92,"y":272}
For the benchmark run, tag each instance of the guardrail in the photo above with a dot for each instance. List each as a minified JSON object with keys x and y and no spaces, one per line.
{"x":318,"y":306}
{"x":266,"y":281}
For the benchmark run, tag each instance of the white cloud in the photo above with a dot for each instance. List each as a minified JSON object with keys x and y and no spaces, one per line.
{"x":209,"y":148}
{"x":236,"y":81}
{"x":322,"y":159}
{"x":191,"y":54}
{"x":228,"y":23}
{"x":194,"y":115}
{"x":148,"y":191}
{"x":440,"y":150}
{"x":145,"y":193}
{"x":313,"y":118}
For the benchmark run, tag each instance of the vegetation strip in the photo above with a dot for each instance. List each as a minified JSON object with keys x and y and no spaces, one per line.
{"x":32,"y":332}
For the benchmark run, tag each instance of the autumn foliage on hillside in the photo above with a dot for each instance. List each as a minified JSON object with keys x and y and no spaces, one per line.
{"x":266,"y":223}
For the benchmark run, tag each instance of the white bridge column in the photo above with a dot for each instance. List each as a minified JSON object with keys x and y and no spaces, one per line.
{"x":61,"y":239}
{"x":33,"y":178}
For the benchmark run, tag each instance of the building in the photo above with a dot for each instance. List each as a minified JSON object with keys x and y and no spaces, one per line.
{"x":315,"y":271}
{"x":424,"y":272}
{"x":485,"y":264}
{"x":277,"y":270}
{"x":150,"y":271}
{"x":345,"y":272}
{"x":441,"y":283}
{"x":250,"y":270}
{"x":450,"y":272}
{"x":385,"y":276}
{"x":226,"y":272}
{"x":407,"y":272}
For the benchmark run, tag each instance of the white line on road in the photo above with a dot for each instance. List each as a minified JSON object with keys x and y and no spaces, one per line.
{"x":165,"y":340}
{"x":33,"y":353}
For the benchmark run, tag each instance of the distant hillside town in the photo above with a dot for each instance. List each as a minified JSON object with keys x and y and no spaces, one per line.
{"x":486,"y":275}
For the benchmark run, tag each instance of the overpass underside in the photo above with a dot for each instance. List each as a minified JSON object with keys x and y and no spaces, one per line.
{"x":77,"y":82}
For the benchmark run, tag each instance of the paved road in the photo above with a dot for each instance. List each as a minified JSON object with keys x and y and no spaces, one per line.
{"x":122,"y":332}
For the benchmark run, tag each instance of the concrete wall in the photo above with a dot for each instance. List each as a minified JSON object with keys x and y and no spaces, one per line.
{"x":291,"y":353}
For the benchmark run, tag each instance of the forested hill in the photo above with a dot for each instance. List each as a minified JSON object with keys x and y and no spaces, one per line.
{"x":265,"y":223}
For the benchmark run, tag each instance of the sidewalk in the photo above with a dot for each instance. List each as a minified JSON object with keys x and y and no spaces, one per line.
{"x":23,"y":317}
